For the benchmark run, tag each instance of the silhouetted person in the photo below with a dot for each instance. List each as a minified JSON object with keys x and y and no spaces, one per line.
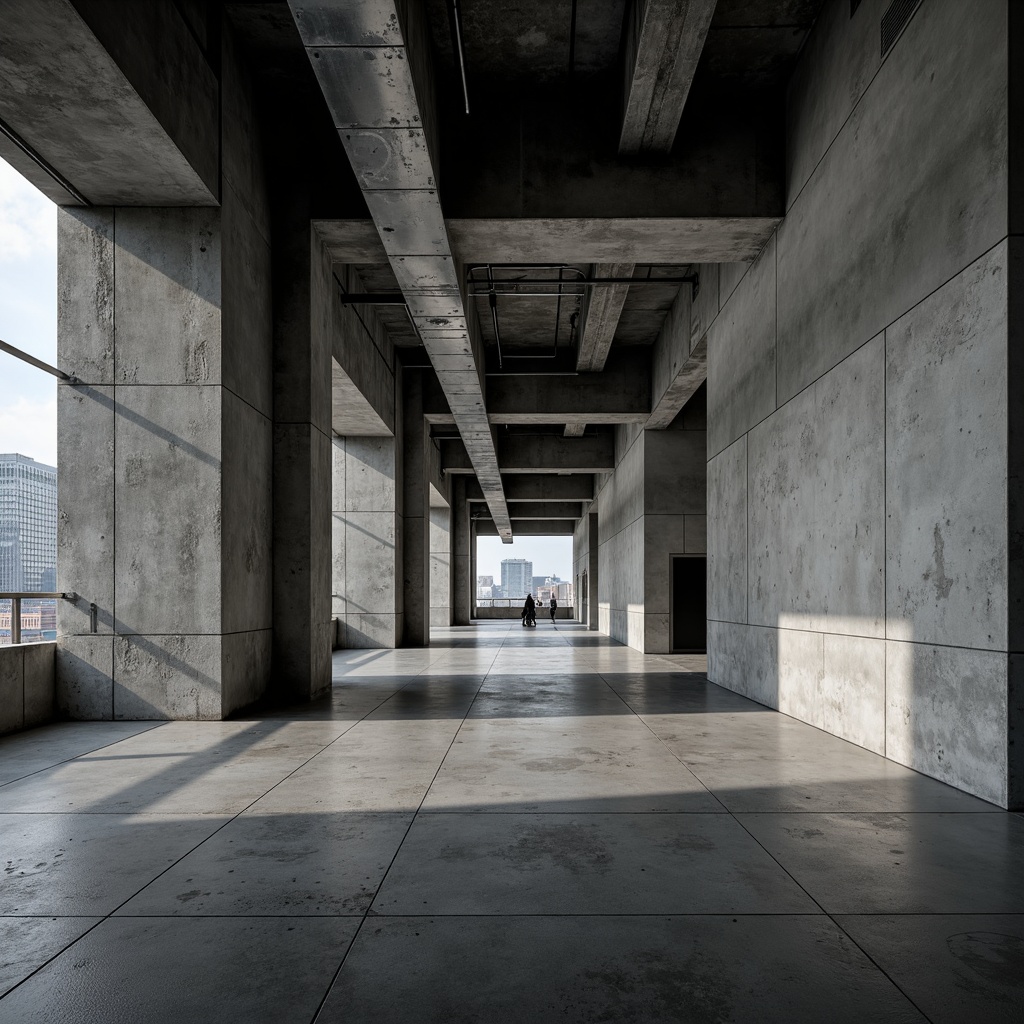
{"x":529,"y":613}
{"x":553,"y":606}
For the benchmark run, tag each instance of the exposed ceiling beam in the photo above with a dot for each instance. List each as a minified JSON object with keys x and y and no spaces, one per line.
{"x":601,"y":311}
{"x":540,"y":487}
{"x":663,"y":43}
{"x":539,"y":453}
{"x":575,"y":429}
{"x":372,"y":63}
{"x":596,"y":239}
{"x":536,"y":510}
{"x":531,"y":528}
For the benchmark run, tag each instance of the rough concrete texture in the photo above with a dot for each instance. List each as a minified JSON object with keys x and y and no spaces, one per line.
{"x":863,"y":522}
{"x":946,"y":463}
{"x":97,"y":126}
{"x":440,"y":566}
{"x":166,"y":448}
{"x":912,"y":204}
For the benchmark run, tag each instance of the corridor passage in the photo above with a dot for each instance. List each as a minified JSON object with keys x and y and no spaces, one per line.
{"x":511,"y":825}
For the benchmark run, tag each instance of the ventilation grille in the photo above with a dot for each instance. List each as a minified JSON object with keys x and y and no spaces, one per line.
{"x":895,"y":20}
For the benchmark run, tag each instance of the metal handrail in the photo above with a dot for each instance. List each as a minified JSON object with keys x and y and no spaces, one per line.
{"x":11,"y":350}
{"x":17,"y":596}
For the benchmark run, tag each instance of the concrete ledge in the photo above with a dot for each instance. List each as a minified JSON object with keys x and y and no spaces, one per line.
{"x":27,"y":686}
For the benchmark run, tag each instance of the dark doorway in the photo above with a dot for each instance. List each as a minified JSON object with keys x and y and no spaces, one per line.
{"x":689,"y":603}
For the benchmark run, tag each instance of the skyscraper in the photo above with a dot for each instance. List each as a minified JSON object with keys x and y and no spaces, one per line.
{"x":28,"y":524}
{"x":516,"y":577}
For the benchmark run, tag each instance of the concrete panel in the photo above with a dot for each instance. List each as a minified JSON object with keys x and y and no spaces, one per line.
{"x":246,"y":528}
{"x":695,"y":534}
{"x":656,"y":633}
{"x":898,"y":206}
{"x":741,"y":356}
{"x":729,"y":276}
{"x":371,"y":631}
{"x":12,"y":689}
{"x":799,"y":674}
{"x":85,"y":293}
{"x":167,"y":676}
{"x":339,"y":579}
{"x":167,"y":292}
{"x":946,"y":419}
{"x":675,"y":472}
{"x":370,"y":474}
{"x":946,"y":715}
{"x":85,"y":677}
{"x":247,"y":335}
{"x":816,"y":530}
{"x":245,"y":664}
{"x":727,"y":534}
{"x":744,"y":659}
{"x":663,"y":537}
{"x":836,"y":65}
{"x":167,"y":561}
{"x":85,"y":506}
{"x":853,"y":691}
{"x":370,"y":562}
{"x":40,"y":684}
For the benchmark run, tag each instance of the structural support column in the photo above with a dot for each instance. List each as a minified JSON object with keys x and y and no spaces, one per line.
{"x":165,"y":451}
{"x":592,"y":588}
{"x":302,"y":457}
{"x":463,"y":582}
{"x":415,"y":514}
{"x":440,"y":565}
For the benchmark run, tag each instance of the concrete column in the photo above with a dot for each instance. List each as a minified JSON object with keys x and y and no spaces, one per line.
{"x":592,"y":606}
{"x":365,"y":527}
{"x":165,"y":454}
{"x":472,"y":569}
{"x":303,"y":284}
{"x":416,"y":514}
{"x":462,"y":580}
{"x":440,"y":566}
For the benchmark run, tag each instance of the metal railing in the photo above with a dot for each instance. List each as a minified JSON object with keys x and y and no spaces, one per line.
{"x":16,"y":597}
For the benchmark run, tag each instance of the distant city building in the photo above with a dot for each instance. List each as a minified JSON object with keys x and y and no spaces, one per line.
{"x":485,"y":581}
{"x":516,"y":577}
{"x":28,"y":524}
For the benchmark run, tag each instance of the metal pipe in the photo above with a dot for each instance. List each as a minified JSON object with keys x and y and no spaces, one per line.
{"x":457,"y":21}
{"x":598,"y":282}
{"x":15,"y":620}
{"x":366,"y":299}
{"x":45,"y":165}
{"x":37,"y":363}
{"x":493,"y":302}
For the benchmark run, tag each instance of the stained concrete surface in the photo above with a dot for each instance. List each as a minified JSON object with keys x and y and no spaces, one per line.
{"x":588,"y":832}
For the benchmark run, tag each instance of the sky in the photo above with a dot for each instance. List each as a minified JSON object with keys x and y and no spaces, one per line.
{"x":551,"y":556}
{"x":28,"y":317}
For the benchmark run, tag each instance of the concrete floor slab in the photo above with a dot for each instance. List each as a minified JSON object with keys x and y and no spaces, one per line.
{"x":570,"y":794}
{"x":169,"y":970}
{"x":88,"y":864}
{"x":585,"y":864}
{"x":578,"y":970}
{"x":900,"y":863}
{"x":955,"y":967}
{"x":279,"y":864}
{"x":26,"y":943}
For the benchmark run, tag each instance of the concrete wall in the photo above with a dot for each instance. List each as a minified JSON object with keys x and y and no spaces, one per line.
{"x":366,"y":538}
{"x":858,"y":385}
{"x":652,"y":506}
{"x":440,"y":566}
{"x":164,"y":518}
{"x":27,"y":686}
{"x":586,"y":559}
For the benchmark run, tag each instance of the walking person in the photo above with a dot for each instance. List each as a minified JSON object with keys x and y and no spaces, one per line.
{"x":529,"y":612}
{"x":553,"y":607}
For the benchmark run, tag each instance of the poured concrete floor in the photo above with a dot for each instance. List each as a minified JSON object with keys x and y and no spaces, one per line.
{"x":510,"y":826}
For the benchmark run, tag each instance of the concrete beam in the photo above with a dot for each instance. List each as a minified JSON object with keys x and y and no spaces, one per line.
{"x":530,"y":528}
{"x":539,"y":453}
{"x":679,"y":361}
{"x":663,"y":43}
{"x":575,"y":429}
{"x":539,"y":510}
{"x":372,"y":62}
{"x":540,"y":487}
{"x":118,"y":99}
{"x":602,"y":308}
{"x":591,"y":239}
